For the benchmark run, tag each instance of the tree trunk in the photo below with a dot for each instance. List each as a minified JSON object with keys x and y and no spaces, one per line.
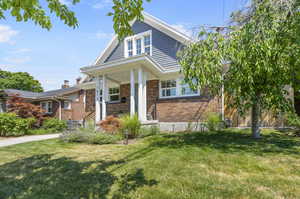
{"x":255,"y":120}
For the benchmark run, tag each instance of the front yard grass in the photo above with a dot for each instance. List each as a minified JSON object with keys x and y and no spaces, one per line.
{"x":227,"y":164}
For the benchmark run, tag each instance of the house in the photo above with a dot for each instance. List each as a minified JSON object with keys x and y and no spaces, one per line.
{"x":66,"y":103}
{"x":141,"y":75}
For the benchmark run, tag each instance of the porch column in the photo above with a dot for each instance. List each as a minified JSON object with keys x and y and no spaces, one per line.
{"x":104,"y":96}
{"x":132,"y":93}
{"x":141,"y":94}
{"x":145,"y":94}
{"x":97,"y":100}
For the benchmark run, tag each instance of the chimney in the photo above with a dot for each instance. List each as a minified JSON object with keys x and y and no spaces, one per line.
{"x":66,"y":84}
{"x":78,"y":80}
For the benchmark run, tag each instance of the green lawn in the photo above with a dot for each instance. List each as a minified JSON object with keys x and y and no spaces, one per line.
{"x":181,"y":166}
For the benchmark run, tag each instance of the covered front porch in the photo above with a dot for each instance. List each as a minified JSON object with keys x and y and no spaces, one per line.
{"x":131,"y":76}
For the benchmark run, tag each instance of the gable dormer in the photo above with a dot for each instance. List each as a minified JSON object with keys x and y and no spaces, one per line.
{"x":151,"y":37}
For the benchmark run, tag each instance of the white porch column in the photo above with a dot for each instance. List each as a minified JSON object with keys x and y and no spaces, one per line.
{"x":132,"y":93}
{"x":104,"y":96}
{"x":145,"y":94}
{"x":97,"y":100}
{"x":142,"y":99}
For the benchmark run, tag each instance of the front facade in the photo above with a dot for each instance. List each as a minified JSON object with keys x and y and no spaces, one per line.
{"x":141,"y":75}
{"x":64,"y":104}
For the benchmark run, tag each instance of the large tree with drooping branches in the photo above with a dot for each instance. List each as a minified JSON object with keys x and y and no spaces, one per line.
{"x":261,"y":55}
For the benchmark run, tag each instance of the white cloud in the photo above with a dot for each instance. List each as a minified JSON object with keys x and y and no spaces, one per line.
{"x":17,"y":60}
{"x":102,"y":4}
{"x":183,"y":28}
{"x":103,"y":35}
{"x":6,"y":34}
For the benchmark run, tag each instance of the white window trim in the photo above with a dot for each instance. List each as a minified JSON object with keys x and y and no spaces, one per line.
{"x":108,"y":95}
{"x":47,"y":106}
{"x":134,"y":38}
{"x":178,"y":90}
{"x":70,"y":105}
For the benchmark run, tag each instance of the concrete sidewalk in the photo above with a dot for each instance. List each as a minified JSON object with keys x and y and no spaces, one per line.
{"x":24,"y":139}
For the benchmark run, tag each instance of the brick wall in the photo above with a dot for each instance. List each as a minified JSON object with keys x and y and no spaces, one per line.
{"x":165,"y":110}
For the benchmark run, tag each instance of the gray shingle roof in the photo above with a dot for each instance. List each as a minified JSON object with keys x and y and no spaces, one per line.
{"x":35,"y":95}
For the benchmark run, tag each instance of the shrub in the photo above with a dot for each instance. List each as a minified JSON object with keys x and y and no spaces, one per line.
{"x":111,"y":124}
{"x":90,"y":137}
{"x":131,"y":124}
{"x":213,"y":121}
{"x":148,"y":131}
{"x":12,"y":125}
{"x":293,"y":120}
{"x":24,"y":109}
{"x":54,"y":125}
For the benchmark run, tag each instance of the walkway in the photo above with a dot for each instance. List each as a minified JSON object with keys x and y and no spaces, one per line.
{"x":23,"y":139}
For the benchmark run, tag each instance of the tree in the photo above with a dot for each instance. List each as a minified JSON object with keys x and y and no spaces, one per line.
{"x":123,"y":12}
{"x":24,"y":109}
{"x":20,"y":81}
{"x":262,"y":56}
{"x":24,"y":10}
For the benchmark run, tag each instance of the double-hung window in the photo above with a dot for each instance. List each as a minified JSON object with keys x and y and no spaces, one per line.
{"x":129,"y":48}
{"x":147,"y":44}
{"x":114,"y":94}
{"x":176,"y":88}
{"x":168,"y":88}
{"x":138,"y":44}
{"x":47,"y":106}
{"x":67,"y":105}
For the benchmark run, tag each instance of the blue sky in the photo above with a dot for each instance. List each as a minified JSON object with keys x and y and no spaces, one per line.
{"x":55,"y":55}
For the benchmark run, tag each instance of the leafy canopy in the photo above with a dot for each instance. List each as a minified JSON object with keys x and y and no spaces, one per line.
{"x":20,"y":81}
{"x":258,"y":59}
{"x":24,"y":10}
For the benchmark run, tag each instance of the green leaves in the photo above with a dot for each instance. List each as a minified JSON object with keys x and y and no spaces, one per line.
{"x":19,"y":80}
{"x":125,"y":11}
{"x":262,"y":55}
{"x":24,"y":10}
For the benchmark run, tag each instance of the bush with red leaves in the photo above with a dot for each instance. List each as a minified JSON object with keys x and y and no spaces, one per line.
{"x":111,"y":124}
{"x":24,"y":109}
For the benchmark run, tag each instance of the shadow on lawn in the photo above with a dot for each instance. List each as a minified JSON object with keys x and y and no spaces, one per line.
{"x":43,"y":177}
{"x":230,"y":142}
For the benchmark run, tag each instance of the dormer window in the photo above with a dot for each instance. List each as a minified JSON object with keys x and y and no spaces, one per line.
{"x":138,"y":44}
{"x":129,"y":48}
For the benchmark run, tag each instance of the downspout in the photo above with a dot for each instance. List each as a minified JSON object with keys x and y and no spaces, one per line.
{"x":59,"y":107}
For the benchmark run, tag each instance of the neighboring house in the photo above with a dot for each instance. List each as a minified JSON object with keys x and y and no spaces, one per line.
{"x":66,"y":103}
{"x":141,"y":75}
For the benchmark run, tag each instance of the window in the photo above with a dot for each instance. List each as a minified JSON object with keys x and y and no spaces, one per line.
{"x":129,"y":48}
{"x":138,"y":44}
{"x":114,"y":94}
{"x":67,"y":105}
{"x":176,"y":88}
{"x":186,"y":90}
{"x":147,"y":44}
{"x":168,"y":88}
{"x":47,"y":106}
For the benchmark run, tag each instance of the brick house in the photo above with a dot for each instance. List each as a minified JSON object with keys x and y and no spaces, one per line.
{"x":66,"y":103}
{"x":141,"y":75}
